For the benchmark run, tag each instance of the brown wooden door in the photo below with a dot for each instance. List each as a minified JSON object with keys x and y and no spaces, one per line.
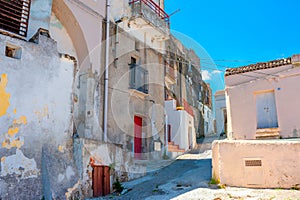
{"x":101,"y":181}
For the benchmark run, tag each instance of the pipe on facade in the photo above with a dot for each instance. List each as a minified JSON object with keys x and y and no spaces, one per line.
{"x":106,"y":72}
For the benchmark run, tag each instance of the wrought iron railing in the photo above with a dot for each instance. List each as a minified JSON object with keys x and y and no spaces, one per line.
{"x":151,"y":5}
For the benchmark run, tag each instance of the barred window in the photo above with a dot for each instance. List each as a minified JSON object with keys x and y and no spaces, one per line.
{"x":14,"y":16}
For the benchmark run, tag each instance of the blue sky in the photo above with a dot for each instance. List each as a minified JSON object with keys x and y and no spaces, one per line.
{"x":236,"y":32}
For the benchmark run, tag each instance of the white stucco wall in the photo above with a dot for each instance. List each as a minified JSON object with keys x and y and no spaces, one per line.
{"x":182,"y":126}
{"x":280,"y":161}
{"x":241,"y":103}
{"x":220,"y":105}
{"x":208,"y":121}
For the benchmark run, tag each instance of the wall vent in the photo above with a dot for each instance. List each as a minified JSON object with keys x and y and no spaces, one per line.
{"x":253,"y":163}
{"x":13,"y":51}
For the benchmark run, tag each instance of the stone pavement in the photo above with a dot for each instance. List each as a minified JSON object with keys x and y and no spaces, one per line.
{"x":231,"y":193}
{"x":188,"y":177}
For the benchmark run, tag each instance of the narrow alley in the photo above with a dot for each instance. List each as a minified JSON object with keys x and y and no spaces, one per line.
{"x":149,"y":99}
{"x":189,"y":177}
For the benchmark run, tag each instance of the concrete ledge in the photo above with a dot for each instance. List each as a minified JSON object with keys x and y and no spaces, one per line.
{"x":257,"y":163}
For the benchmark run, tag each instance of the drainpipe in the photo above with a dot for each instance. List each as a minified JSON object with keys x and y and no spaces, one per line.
{"x":106,"y":72}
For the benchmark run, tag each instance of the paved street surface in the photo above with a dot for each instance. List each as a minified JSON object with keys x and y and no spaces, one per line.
{"x":188,"y":178}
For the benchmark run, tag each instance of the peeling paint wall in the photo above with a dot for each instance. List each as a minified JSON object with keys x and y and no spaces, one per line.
{"x":125,"y":103}
{"x":36,"y":121}
{"x":120,"y":162}
{"x":4,"y":96}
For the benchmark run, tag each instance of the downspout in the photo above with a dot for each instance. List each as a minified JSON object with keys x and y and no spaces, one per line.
{"x":106,"y":72}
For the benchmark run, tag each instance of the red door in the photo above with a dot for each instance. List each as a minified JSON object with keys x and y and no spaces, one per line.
{"x":138,"y":137}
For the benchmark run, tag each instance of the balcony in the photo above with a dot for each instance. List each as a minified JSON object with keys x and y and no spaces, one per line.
{"x":150,"y":12}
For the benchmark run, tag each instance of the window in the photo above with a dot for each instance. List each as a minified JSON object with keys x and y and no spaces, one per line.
{"x":13,"y":51}
{"x":14,"y":16}
{"x":138,"y":77}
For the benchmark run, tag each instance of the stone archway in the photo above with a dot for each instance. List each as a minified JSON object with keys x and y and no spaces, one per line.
{"x":68,"y":20}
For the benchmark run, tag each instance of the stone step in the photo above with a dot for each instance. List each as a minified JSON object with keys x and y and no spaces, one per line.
{"x":267,"y":134}
{"x":170,"y":143}
{"x":175,"y":148}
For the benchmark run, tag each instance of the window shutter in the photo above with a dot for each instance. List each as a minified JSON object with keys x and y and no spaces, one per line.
{"x":14,"y":16}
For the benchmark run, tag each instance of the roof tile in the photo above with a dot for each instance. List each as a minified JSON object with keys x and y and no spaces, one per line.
{"x":258,"y":66}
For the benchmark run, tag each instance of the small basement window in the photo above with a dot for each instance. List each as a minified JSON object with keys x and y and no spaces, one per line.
{"x":13,"y":51}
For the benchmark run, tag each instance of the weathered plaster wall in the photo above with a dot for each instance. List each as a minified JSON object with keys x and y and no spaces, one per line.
{"x":36,"y":125}
{"x":280,"y":161}
{"x":59,"y":33}
{"x":83,"y":22}
{"x":190,"y":85}
{"x":241,"y":104}
{"x":140,"y":27}
{"x":40,"y":12}
{"x":125,"y":102}
{"x":121,"y":164}
{"x":89,"y":16}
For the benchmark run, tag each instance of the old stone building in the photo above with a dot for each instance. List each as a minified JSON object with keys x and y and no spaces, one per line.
{"x":186,"y":96}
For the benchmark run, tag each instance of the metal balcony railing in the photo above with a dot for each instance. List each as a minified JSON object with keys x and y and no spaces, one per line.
{"x":151,"y":11}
